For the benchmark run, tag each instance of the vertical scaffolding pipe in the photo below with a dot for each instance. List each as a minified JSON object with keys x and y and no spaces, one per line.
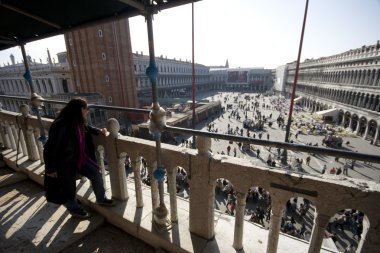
{"x":287,"y":133}
{"x":157,"y":122}
{"x":193,"y":69}
{"x":35,"y":104}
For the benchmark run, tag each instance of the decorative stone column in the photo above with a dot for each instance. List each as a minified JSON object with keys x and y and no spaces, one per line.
{"x":318,"y":233}
{"x":153,"y":186}
{"x":171,"y":174}
{"x":39,"y":145}
{"x":116,"y":161}
{"x":138,"y":187}
{"x":201,"y":220}
{"x":239,"y":221}
{"x":100,"y":158}
{"x":15,"y":135}
{"x":343,"y":119}
{"x":4,"y":136}
{"x":275,"y":226}
{"x":31,"y":144}
{"x":11,"y":138}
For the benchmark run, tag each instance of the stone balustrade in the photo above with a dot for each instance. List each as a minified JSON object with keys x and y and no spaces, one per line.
{"x":19,"y":132}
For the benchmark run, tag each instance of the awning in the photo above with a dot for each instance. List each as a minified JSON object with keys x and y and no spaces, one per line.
{"x":26,"y":21}
{"x":330,"y":112}
{"x":298,"y":99}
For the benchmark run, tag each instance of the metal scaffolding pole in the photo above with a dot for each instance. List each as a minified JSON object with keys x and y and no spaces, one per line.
{"x":156,"y":125}
{"x":36,"y":99}
{"x":287,"y":133}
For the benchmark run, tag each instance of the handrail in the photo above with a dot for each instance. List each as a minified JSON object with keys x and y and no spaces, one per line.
{"x":278,"y":144}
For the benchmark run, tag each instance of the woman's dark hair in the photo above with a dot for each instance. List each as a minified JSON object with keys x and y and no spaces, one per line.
{"x":72,"y":112}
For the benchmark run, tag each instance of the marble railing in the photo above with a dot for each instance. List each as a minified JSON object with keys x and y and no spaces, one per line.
{"x":329,"y":195}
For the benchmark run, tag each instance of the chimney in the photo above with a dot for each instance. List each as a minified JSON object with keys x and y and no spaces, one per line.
{"x":12,"y":59}
{"x":49,"y":58}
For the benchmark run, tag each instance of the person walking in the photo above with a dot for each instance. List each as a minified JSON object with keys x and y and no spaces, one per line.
{"x":308,"y":158}
{"x":69,"y":153}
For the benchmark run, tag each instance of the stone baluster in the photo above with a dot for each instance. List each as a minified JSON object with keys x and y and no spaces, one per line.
{"x":122,"y":177}
{"x":201,"y":221}
{"x":11,"y":138}
{"x":239,"y":221}
{"x":23,"y":144}
{"x":318,"y":232}
{"x":22,"y":124}
{"x":274,"y":226}
{"x":15,"y":135}
{"x":39,"y":145}
{"x":138,"y":188}
{"x":30,"y":143}
{"x":153,"y":186}
{"x":116,"y":161}
{"x":173,"y":193}
{"x":100,"y":158}
{"x":7,"y":142}
{"x":4,"y":137}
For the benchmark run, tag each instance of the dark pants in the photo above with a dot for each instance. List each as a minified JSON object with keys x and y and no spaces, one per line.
{"x":93,"y":173}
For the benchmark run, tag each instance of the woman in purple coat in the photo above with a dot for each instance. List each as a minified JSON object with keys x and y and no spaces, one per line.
{"x":69,"y":153}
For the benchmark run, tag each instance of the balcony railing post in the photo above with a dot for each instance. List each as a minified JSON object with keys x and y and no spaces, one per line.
{"x":201,"y":220}
{"x":153,"y":185}
{"x":156,"y":124}
{"x":137,"y":175}
{"x":318,"y":232}
{"x":31,"y":143}
{"x":100,"y":159}
{"x":239,"y":221}
{"x":39,"y":145}
{"x":11,"y":138}
{"x":172,"y":192}
{"x":275,"y":225}
{"x":116,"y":160}
{"x":4,"y":136}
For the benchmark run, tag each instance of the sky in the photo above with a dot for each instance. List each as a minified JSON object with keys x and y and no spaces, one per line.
{"x":249,"y":33}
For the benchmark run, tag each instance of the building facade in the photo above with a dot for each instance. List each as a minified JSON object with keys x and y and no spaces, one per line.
{"x":348,"y":82}
{"x":101,"y":61}
{"x":241,"y":79}
{"x":48,"y":79}
{"x":174,"y":77}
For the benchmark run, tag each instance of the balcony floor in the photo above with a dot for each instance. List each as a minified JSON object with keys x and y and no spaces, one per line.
{"x":29,"y":223}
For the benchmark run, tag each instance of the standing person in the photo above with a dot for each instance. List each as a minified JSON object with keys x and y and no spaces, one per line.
{"x":324,"y":169}
{"x":308,"y":158}
{"x":70,"y":152}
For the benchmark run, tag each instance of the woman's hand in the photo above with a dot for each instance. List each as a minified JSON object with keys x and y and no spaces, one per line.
{"x":104,"y":132}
